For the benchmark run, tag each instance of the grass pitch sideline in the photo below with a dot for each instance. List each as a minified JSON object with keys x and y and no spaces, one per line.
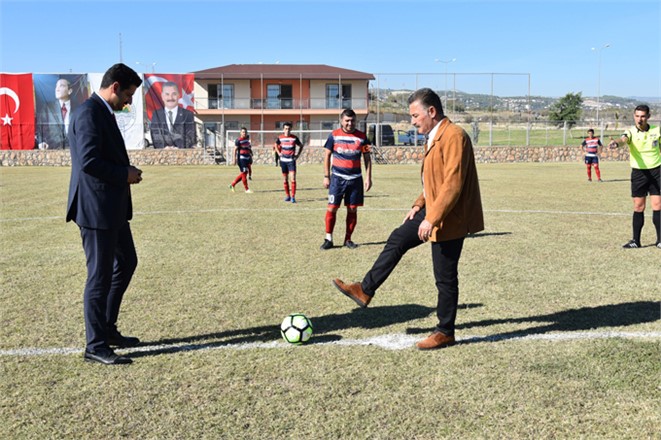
{"x":219,"y":269}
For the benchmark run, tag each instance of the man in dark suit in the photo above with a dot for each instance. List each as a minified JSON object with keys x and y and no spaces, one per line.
{"x":100,"y":204}
{"x":172,"y":126}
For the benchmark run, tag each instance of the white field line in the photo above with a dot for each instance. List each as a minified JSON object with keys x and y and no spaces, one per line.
{"x":388,"y":342}
{"x":321,"y":208}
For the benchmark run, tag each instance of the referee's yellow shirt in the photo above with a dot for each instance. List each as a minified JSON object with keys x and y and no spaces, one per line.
{"x":644,"y":147}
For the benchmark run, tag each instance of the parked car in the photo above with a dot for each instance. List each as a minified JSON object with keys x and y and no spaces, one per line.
{"x":387,"y":134}
{"x":411,"y":137}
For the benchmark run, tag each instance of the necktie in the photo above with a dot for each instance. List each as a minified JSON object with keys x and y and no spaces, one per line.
{"x":170,"y":119}
{"x":64,"y":112}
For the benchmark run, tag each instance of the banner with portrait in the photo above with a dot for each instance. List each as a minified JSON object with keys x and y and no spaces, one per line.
{"x":130,"y":119}
{"x":170,"y":107}
{"x":56,"y":96}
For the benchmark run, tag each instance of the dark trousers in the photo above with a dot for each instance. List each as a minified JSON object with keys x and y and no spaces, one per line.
{"x":445,"y":259}
{"x":111,"y":261}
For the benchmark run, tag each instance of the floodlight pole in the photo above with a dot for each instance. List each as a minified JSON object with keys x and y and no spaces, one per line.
{"x":446,"y":62}
{"x":599,"y":76}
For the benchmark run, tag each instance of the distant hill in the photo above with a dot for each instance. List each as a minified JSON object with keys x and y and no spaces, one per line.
{"x":471,"y":102}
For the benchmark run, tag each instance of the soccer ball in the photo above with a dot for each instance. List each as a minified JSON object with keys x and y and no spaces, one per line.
{"x":296,"y":329}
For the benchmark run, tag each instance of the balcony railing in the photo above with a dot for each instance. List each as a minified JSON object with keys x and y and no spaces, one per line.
{"x":280,"y":103}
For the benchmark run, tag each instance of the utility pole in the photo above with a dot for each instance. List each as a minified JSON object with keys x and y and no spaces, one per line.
{"x":599,"y":77}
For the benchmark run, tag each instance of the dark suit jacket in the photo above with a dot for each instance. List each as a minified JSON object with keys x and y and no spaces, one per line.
{"x":183,"y":134}
{"x":451,"y":189}
{"x":99,"y":195}
{"x":50,"y":126}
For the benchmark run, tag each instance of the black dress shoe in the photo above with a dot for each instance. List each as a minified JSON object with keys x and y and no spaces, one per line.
{"x":106,"y":357}
{"x":117,"y":340}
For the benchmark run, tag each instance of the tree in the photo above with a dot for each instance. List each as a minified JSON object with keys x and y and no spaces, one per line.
{"x":566,"y":109}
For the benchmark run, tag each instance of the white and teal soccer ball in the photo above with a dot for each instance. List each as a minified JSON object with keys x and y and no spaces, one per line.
{"x":296,"y":329}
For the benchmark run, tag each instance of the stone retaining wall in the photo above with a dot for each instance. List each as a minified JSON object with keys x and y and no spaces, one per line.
{"x":262,"y":155}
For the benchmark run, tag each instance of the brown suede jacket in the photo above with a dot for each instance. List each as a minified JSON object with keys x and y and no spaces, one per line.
{"x":451,"y":189}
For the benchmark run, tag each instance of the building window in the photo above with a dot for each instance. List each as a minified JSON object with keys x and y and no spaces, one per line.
{"x":297,"y":125}
{"x":333,"y":97}
{"x":213,"y":95}
{"x":221,"y":96}
{"x":279,"y":96}
{"x":228,"y":95}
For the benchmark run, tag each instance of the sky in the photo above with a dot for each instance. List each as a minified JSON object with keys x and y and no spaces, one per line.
{"x":546,"y":45}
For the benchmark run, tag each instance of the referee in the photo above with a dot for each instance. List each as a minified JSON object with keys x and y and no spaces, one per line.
{"x":645,"y":158}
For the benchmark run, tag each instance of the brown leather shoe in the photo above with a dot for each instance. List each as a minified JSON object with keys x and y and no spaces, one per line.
{"x":435,"y":340}
{"x":353,"y":291}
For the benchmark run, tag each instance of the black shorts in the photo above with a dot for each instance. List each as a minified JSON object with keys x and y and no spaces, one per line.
{"x":644,"y":182}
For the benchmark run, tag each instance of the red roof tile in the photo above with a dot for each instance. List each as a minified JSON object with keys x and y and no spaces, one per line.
{"x":281,"y":71}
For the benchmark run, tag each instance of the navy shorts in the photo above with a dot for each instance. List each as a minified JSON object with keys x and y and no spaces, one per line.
{"x":351,"y":190}
{"x":589,"y":160}
{"x":288,"y":167}
{"x":244,"y":164}
{"x":644,"y":182}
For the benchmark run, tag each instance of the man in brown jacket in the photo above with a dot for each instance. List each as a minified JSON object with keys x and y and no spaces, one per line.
{"x":448,"y":209}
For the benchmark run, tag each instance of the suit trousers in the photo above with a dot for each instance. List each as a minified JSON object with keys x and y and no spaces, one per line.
{"x":445,"y":259}
{"x":111,"y":262}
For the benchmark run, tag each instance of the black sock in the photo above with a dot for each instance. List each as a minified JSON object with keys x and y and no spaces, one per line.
{"x":638,"y":222}
{"x":656,"y":218}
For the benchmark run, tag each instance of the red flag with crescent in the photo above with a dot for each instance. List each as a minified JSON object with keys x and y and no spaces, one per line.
{"x":153,"y":85}
{"x":16,"y":111}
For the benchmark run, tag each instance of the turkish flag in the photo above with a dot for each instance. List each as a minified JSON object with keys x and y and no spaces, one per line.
{"x":16,"y":111}
{"x":154,"y":86}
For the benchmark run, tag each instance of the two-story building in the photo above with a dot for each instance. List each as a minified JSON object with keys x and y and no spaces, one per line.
{"x":264,"y":96}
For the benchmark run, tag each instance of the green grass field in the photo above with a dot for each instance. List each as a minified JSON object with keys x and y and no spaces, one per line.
{"x":558,"y":326}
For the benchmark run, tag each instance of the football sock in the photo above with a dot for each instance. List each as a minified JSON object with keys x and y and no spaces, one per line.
{"x":596,"y":170}
{"x":244,"y":179}
{"x":589,"y":172}
{"x":352,"y":219}
{"x":286,"y":185}
{"x":293,"y":188}
{"x":331,"y":216}
{"x":656,"y":218}
{"x":237,"y":180}
{"x":637,"y":223}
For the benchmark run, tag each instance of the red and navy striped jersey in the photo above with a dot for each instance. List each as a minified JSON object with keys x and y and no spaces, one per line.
{"x":245,"y":149}
{"x":347,"y":149}
{"x":287,"y":147}
{"x":591,"y":146}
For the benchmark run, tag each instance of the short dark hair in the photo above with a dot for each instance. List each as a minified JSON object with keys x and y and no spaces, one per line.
{"x":287,"y":124}
{"x":428,"y":98}
{"x":123,"y":74}
{"x":591,"y":130}
{"x":643,"y":108}
{"x":348,"y":112}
